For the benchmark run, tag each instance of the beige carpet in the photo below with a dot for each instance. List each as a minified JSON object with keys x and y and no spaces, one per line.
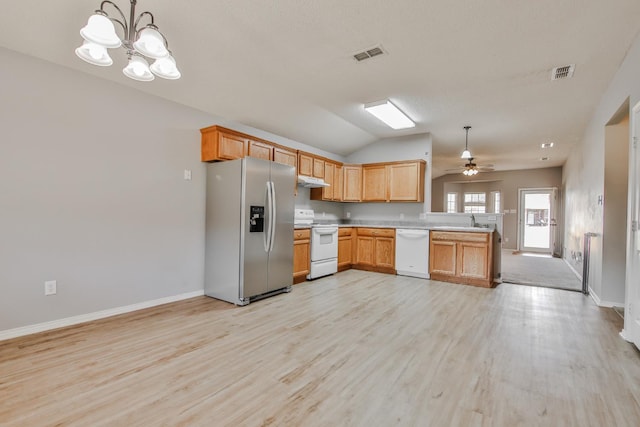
{"x":538,"y":271}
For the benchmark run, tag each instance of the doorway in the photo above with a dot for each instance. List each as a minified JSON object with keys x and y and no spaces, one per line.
{"x":631,"y":330}
{"x":537,"y":220}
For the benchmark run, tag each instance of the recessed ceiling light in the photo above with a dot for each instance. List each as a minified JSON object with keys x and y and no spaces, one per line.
{"x":389,"y":114}
{"x":546,"y":145}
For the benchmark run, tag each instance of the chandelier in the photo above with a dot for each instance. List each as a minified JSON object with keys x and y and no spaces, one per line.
{"x":470,"y":168}
{"x":141,"y":42}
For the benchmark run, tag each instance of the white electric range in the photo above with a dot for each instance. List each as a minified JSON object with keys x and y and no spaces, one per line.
{"x":324,"y":244}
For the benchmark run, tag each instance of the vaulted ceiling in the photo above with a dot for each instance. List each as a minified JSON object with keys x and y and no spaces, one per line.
{"x":287,"y":66}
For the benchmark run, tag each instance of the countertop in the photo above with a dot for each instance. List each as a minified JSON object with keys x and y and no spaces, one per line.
{"x":411,"y":227}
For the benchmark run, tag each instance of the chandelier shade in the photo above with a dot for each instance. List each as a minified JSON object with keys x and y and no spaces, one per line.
{"x":151,"y":43}
{"x":100,"y":30}
{"x":166,"y":68}
{"x":140,"y":43}
{"x":138,"y":69}
{"x":94,"y":54}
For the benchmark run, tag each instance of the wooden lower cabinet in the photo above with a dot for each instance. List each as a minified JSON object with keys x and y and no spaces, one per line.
{"x":375,"y":249}
{"x":461,"y":257}
{"x":301,"y":254}
{"x":345,"y":248}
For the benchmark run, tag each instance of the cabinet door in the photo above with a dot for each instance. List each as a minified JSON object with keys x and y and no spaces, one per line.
{"x":406,"y":182}
{"x":442,"y":257}
{"x":352,"y":183}
{"x":231,"y":147}
{"x":385,"y":252}
{"x":365,"y":250}
{"x":345,"y":249}
{"x":338,"y":184}
{"x":374,"y":183}
{"x":318,"y":168}
{"x":329,"y":170}
{"x":260,"y":150}
{"x":280,"y":155}
{"x":305,"y":164}
{"x":472,"y":260}
{"x":301,"y":259}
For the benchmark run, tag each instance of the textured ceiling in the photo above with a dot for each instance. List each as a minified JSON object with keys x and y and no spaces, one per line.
{"x":285,"y":66}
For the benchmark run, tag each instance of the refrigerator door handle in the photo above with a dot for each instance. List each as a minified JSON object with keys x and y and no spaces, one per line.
{"x":272,"y":212}
{"x":267,"y":234}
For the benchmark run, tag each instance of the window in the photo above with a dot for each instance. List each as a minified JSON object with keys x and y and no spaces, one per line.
{"x":496,"y":202}
{"x":475,"y":202}
{"x":452,"y":202}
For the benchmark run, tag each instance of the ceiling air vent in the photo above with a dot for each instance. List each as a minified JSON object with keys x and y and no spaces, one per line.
{"x":563,"y":72}
{"x":368,"y":53}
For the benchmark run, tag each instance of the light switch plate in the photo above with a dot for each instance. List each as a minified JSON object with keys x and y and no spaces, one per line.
{"x":50,"y":287}
{"x":187,"y":175}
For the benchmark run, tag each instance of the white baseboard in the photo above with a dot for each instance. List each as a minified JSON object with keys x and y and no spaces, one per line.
{"x":578,"y":275}
{"x":74,"y":320}
{"x":625,"y":336}
{"x":601,"y":303}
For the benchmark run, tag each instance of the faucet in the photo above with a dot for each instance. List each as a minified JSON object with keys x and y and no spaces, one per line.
{"x":473,"y":220}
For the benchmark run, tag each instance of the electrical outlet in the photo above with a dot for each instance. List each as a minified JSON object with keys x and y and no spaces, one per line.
{"x":401,"y":216}
{"x":348,"y":215}
{"x":506,"y":240}
{"x":423,"y":216}
{"x":50,"y":287}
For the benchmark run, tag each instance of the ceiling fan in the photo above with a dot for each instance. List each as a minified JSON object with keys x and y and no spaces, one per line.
{"x":470,"y":168}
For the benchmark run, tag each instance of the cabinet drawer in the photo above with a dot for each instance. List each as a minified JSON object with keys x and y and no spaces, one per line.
{"x":460,"y":236}
{"x":301,"y":234}
{"x":377,"y":232}
{"x":344,"y":232}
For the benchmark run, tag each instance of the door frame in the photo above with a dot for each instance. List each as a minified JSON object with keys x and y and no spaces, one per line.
{"x":553,"y":215}
{"x":631,"y":331}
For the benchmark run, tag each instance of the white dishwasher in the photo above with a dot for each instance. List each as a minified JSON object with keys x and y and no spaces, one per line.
{"x":412,"y":252}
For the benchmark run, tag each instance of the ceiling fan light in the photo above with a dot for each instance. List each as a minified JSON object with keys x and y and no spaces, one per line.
{"x":151,"y":43}
{"x":465,"y":154}
{"x":94,"y":54}
{"x":165,"y":68}
{"x":138,"y":69}
{"x":100,"y":30}
{"x":388,"y":113}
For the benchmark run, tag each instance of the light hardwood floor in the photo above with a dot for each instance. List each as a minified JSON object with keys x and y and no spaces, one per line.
{"x":354,"y":349}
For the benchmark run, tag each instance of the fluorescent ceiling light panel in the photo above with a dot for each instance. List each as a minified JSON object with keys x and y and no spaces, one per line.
{"x":389,"y":114}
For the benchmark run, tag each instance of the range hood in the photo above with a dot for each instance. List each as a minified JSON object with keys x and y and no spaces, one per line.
{"x":311,"y":182}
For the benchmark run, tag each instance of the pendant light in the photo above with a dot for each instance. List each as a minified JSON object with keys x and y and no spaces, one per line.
{"x":466,"y":154}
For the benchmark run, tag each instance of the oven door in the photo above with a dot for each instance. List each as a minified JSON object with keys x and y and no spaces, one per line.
{"x":324,"y":243}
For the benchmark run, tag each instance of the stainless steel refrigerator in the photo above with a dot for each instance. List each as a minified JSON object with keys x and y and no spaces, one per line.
{"x":249,"y":229}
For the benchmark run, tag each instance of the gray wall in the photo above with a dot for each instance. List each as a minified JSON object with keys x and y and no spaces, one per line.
{"x":584,"y":177}
{"x":93,"y":195}
{"x":508,"y":183}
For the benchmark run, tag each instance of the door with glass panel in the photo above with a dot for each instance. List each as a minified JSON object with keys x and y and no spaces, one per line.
{"x":537,"y":221}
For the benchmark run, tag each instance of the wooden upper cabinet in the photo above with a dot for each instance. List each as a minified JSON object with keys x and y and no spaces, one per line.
{"x":287,"y":157}
{"x":318,"y":167}
{"x":338,"y":187}
{"x":305,"y":164}
{"x":374,"y":183}
{"x":406,"y":181}
{"x":310,"y":165}
{"x":333,"y":177}
{"x":352,"y":178}
{"x":222,"y":144}
{"x":260,"y":150}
